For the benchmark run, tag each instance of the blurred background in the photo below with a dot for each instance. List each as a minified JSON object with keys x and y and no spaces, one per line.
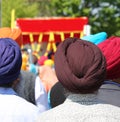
{"x":104,"y":15}
{"x":44,"y":24}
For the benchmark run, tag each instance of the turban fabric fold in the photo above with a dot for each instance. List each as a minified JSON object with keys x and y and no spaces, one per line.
{"x":111,"y":51}
{"x":96,"y":38}
{"x":10,"y":60}
{"x":80,"y":65}
{"x":14,"y":34}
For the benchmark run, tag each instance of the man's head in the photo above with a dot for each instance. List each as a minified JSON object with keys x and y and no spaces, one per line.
{"x":80,"y":65}
{"x":10,"y":60}
{"x":111,"y":51}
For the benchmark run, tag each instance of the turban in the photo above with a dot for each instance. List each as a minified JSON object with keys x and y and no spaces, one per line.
{"x":42,"y":59}
{"x":14,"y":33}
{"x":80,"y":65}
{"x":49,"y":62}
{"x":111,"y":51}
{"x":10,"y":60}
{"x":96,"y":38}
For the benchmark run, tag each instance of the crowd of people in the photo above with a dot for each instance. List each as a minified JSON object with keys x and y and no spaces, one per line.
{"x":81,"y":84}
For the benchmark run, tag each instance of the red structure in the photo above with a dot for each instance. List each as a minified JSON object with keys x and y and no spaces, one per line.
{"x":50,"y":30}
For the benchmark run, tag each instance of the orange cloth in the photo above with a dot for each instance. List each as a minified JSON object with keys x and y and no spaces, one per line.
{"x":24,"y":61}
{"x":14,"y":33}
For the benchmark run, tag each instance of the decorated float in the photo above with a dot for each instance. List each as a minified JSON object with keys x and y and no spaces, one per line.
{"x":50,"y":31}
{"x":42,"y":35}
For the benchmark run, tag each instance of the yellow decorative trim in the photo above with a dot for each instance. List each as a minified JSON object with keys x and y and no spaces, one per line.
{"x":81,"y":34}
{"x":71,"y":34}
{"x":62,"y":36}
{"x":51,"y":42}
{"x":13,"y":18}
{"x":39,"y":42}
{"x":32,"y":41}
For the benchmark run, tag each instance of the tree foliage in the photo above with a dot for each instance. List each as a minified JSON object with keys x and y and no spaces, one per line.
{"x":104,"y":15}
{"x":23,"y":8}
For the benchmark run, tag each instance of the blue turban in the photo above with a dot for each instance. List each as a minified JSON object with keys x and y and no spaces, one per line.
{"x":10,"y":60}
{"x":96,"y":38}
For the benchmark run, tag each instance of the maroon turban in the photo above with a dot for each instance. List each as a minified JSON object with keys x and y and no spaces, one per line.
{"x":111,"y":51}
{"x":80,"y":65}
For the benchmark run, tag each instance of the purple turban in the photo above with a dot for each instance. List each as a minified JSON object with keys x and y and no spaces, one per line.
{"x":10,"y":60}
{"x":80,"y":65}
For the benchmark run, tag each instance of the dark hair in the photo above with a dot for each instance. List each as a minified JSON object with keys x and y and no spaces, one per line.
{"x":57,"y":95}
{"x":7,"y":85}
{"x":35,"y":59}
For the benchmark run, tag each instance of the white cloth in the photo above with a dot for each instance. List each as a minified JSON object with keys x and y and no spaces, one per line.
{"x":81,"y":108}
{"x":41,"y":97}
{"x":14,"y":108}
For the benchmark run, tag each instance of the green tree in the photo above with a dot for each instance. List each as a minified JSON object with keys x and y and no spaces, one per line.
{"x":65,"y":8}
{"x":104,"y":15}
{"x":44,"y":8}
{"x":23,"y":8}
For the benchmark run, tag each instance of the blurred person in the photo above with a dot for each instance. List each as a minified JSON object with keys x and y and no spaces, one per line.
{"x":56,"y":95}
{"x":30,"y":86}
{"x":48,"y":79}
{"x":47,"y":76}
{"x":81,"y":68}
{"x":35,"y":57}
{"x":110,"y":90}
{"x":12,"y":107}
{"x":27,"y":82}
{"x":24,"y":59}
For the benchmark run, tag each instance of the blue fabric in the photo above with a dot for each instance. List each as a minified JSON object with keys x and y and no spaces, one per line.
{"x":7,"y":91}
{"x":49,"y":100}
{"x":112,"y":82}
{"x":96,"y":38}
{"x":33,"y":68}
{"x":10,"y":60}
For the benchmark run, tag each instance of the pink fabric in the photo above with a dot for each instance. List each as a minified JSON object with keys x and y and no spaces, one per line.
{"x":42,"y":59}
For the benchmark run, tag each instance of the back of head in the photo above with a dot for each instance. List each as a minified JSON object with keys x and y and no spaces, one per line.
{"x":80,"y":65}
{"x":111,"y":51}
{"x":57,"y":95}
{"x":26,"y":85}
{"x":10,"y":60}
